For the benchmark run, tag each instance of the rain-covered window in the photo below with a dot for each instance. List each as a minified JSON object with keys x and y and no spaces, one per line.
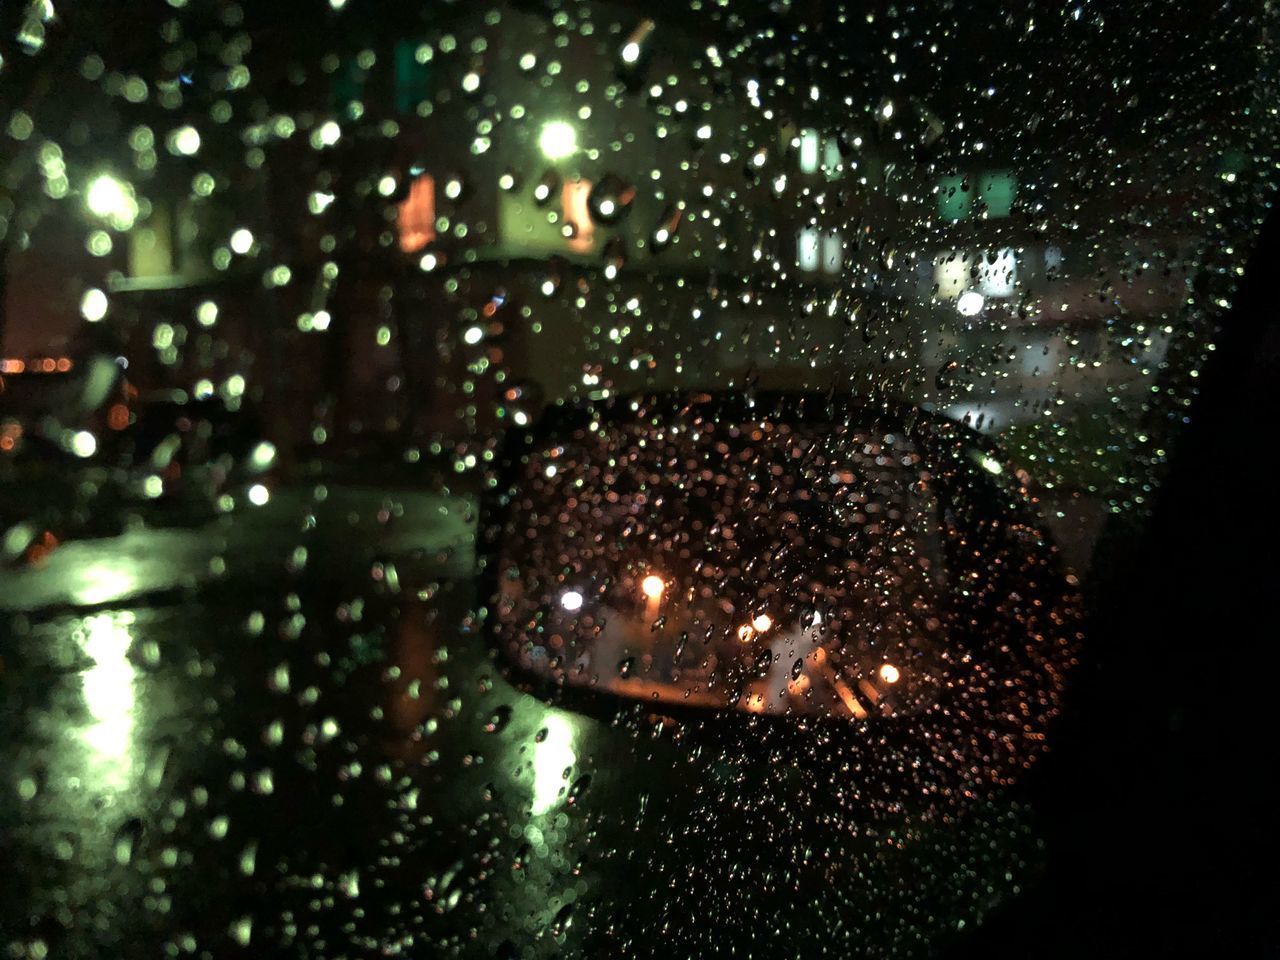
{"x":575,"y":478}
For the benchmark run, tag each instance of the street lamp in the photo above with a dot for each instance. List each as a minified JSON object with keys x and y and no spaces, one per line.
{"x":558,"y":140}
{"x":111,"y":199}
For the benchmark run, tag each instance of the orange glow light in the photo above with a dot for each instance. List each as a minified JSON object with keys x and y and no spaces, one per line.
{"x":889,"y":673}
{"x":652,"y":586}
{"x":416,"y":216}
{"x":573,"y":200}
{"x":762,"y":622}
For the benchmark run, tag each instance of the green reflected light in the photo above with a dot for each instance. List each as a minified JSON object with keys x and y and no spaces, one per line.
{"x":551,"y":757}
{"x":109,"y":696}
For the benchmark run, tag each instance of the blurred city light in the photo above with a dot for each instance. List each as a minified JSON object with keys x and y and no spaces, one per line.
{"x":111,"y":199}
{"x":93,"y":305}
{"x":84,"y":444}
{"x":108,"y":689}
{"x":558,"y":140}
{"x":552,"y":756}
{"x":970,"y":303}
{"x":185,"y":141}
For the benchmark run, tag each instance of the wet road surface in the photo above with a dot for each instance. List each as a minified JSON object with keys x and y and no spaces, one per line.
{"x":322,"y":759}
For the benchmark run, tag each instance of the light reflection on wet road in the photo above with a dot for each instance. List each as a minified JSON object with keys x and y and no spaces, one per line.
{"x":329,"y":764}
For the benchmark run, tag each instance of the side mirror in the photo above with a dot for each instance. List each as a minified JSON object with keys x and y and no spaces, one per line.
{"x":788,"y":556}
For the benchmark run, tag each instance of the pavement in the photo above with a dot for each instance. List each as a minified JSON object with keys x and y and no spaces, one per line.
{"x":423,"y":531}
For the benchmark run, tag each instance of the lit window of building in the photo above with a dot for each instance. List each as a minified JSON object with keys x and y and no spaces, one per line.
{"x":954,"y":198}
{"x":951,"y":274}
{"x":809,"y":144}
{"x":577,"y":215}
{"x":997,"y":190}
{"x":416,"y":218}
{"x":832,"y":164}
{"x":807,"y":249}
{"x":998,"y":273}
{"x":832,"y":253}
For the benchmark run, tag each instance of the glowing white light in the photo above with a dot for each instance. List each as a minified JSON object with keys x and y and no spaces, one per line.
{"x":112,"y":200}
{"x":809,"y":151}
{"x":473,"y":335}
{"x":991,"y":466}
{"x":951,"y":274}
{"x":652,"y":586}
{"x":631,"y":52}
{"x":552,"y":756}
{"x":889,"y":673}
{"x":263,"y":455}
{"x":84,"y":444}
{"x":807,"y":249}
{"x":207,"y":313}
{"x":185,"y":141}
{"x":558,"y":140}
{"x":321,"y":320}
{"x":998,"y":273}
{"x":571,"y":600}
{"x":471,"y":82}
{"x":970,"y":303}
{"x":259,"y":495}
{"x":832,"y":252}
{"x":887,"y":110}
{"x":93,"y":305}
{"x":761,"y":622}
{"x":386,"y":186}
{"x":330,"y":133}
{"x":108,"y":690}
{"x":242,"y":240}
{"x":831,"y":157}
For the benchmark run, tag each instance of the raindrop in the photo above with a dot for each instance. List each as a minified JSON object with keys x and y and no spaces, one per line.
{"x":498,"y":720}
{"x":128,"y":836}
{"x":578,"y":788}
